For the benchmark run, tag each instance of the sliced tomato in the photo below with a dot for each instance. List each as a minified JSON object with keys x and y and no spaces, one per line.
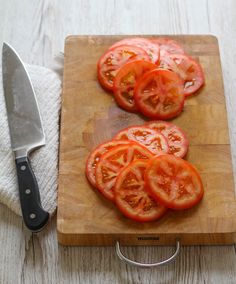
{"x":152,"y":49}
{"x":113,"y":59}
{"x":125,"y":80}
{"x":168,"y":45}
{"x":159,"y":94}
{"x":159,"y":125}
{"x":173,"y":182}
{"x":176,"y":138}
{"x":151,"y":139}
{"x":132,"y":197}
{"x":113,"y":161}
{"x":187,"y":68}
{"x":95,"y":155}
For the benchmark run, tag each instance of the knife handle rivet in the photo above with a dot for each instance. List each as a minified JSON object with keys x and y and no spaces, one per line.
{"x":27,"y":191}
{"x":32,"y":216}
{"x":23,"y":168}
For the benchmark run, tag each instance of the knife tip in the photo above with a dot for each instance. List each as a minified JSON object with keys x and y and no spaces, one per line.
{"x":6,"y":46}
{"x":7,"y":49}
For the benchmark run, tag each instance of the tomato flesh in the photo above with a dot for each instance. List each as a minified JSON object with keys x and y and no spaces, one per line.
{"x":176,"y":138}
{"x":132,"y":197}
{"x":151,"y":48}
{"x":113,"y":59}
{"x":173,"y":182}
{"x":168,"y":45}
{"x":187,"y":68}
{"x":155,"y":142}
{"x":112,"y":162}
{"x":95,"y":155}
{"x":125,"y":80}
{"x":159,"y":94}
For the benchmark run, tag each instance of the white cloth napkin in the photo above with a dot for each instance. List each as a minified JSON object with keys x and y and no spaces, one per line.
{"x":44,"y":161}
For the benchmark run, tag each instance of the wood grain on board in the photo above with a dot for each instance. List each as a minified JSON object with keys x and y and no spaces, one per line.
{"x":90,"y":116}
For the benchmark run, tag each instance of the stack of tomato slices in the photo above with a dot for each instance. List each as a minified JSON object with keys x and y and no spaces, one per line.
{"x":142,"y":171}
{"x":150,"y":76}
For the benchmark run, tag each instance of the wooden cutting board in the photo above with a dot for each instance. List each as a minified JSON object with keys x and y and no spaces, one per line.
{"x":90,"y":116}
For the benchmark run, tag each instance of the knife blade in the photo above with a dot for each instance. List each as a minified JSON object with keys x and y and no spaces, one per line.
{"x":26,"y":133}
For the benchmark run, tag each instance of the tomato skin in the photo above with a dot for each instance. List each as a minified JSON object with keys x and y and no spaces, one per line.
{"x":110,"y":62}
{"x":174,"y":100}
{"x":176,"y":138}
{"x":185,"y":171}
{"x":112,"y":162}
{"x":152,"y":49}
{"x":125,"y":80}
{"x":154,"y":141}
{"x":95,"y":155}
{"x":132,"y":198}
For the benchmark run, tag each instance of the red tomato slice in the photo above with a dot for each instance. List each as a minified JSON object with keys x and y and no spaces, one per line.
{"x":113,"y":161}
{"x":176,"y":138}
{"x":132,"y":197}
{"x":187,"y":68}
{"x":152,"y":49}
{"x":169,"y":45}
{"x":155,"y":142}
{"x":113,"y":59}
{"x":159,"y":125}
{"x":125,"y":80}
{"x":95,"y":155}
{"x":173,"y":182}
{"x":159,"y":94}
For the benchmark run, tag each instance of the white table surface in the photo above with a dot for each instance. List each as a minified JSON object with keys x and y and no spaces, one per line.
{"x":37,"y":30}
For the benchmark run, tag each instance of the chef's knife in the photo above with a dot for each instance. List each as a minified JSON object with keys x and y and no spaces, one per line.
{"x":26,"y":134}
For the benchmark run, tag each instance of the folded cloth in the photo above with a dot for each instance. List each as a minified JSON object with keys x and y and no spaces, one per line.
{"x":44,"y":161}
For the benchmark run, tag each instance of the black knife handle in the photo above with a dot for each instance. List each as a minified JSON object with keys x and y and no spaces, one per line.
{"x":34,"y":216}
